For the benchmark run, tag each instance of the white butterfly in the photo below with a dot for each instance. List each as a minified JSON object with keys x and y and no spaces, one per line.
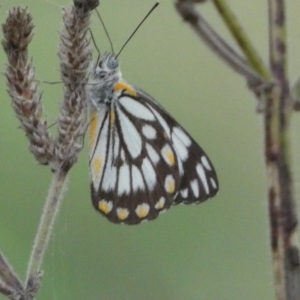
{"x":141,"y":160}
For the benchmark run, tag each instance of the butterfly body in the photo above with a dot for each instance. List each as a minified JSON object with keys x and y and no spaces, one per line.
{"x":141,"y":160}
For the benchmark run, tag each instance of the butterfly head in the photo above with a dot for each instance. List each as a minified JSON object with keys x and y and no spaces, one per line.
{"x":107,"y":69}
{"x":105,"y":74}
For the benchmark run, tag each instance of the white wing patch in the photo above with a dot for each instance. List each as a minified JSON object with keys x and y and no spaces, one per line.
{"x":149,"y":132}
{"x":205,"y":163}
{"x":149,"y":173}
{"x":213,"y":183}
{"x":137,"y":179}
{"x":124,"y":180}
{"x":136,"y":109}
{"x":116,"y":144}
{"x":109,"y":179}
{"x":131,"y":136}
{"x":162,"y":122}
{"x":182,"y":136}
{"x":110,"y":172}
{"x":195,"y":187}
{"x":184,"y":193}
{"x":181,"y":149}
{"x":203,"y":177}
{"x":152,"y":154}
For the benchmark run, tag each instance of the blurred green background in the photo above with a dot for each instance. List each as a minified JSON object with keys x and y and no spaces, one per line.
{"x":216,"y":251}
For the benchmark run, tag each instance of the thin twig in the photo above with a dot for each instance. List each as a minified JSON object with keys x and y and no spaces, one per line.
{"x":190,"y":14}
{"x":8,"y":291}
{"x":282,"y":206}
{"x":8,"y":276}
{"x":241,"y":38}
{"x":44,"y":231}
{"x":296,"y":94}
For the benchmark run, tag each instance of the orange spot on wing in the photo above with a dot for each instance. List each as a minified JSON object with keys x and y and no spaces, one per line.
{"x":123,"y":86}
{"x":112,"y":117}
{"x":93,"y":127}
{"x":97,"y":165}
{"x":122,"y":213}
{"x":160,"y":204}
{"x":142,"y":210}
{"x":171,"y":157}
{"x":171,"y":187}
{"x":105,"y":206}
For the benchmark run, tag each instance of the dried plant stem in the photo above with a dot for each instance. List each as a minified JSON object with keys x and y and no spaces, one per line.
{"x":277,"y":114}
{"x":9,"y":279}
{"x":241,"y":38}
{"x":282,"y":206}
{"x":188,"y":11}
{"x":51,"y":208}
{"x":7,"y":291}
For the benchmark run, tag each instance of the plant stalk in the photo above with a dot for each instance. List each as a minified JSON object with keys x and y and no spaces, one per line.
{"x":241,"y":38}
{"x":282,"y":206}
{"x":51,"y":208}
{"x":188,"y":11}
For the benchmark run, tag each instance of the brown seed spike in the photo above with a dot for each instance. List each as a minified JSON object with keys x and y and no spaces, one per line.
{"x":75,"y":56}
{"x":17,"y":31}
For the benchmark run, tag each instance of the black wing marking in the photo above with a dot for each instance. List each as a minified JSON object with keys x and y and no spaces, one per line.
{"x":199,"y":180}
{"x":148,"y":162}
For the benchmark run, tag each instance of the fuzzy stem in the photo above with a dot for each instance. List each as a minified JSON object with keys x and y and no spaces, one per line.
{"x":282,"y":206}
{"x":241,"y":38}
{"x":8,"y":291}
{"x":8,"y":276}
{"x":44,"y":231}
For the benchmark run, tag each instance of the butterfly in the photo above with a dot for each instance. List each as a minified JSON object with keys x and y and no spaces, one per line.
{"x":141,"y":160}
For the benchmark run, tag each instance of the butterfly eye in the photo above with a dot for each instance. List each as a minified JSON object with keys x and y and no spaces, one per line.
{"x":112,"y":63}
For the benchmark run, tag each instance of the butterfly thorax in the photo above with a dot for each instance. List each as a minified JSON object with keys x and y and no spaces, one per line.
{"x":104,"y":77}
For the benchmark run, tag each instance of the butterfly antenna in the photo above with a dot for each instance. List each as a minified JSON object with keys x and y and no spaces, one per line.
{"x":106,"y":32}
{"x":151,"y":10}
{"x":95,"y":45}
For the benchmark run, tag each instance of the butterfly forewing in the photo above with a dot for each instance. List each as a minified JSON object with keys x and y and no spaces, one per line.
{"x":142,"y":160}
{"x":199,"y":180}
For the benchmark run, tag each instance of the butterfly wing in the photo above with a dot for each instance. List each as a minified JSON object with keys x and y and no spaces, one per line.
{"x":199,"y":180}
{"x":142,"y":161}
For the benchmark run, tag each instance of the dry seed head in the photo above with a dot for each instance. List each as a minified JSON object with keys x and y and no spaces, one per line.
{"x":75,"y":56}
{"x":85,"y":6}
{"x":17,"y":31}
